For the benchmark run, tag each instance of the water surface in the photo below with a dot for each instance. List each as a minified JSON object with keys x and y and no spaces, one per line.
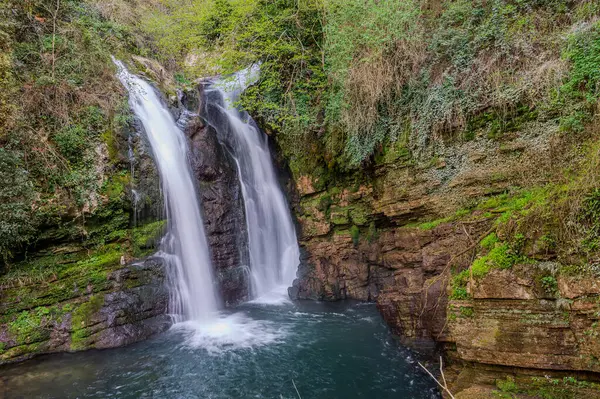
{"x":339,"y":350}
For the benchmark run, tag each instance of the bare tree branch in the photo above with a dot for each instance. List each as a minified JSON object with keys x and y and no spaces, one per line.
{"x":445,"y":385}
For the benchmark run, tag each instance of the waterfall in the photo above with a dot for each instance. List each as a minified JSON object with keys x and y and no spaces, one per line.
{"x":184,"y":247}
{"x":273,"y":246}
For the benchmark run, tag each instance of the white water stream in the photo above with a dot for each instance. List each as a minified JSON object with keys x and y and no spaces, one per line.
{"x":185,"y":248}
{"x":274,"y":253}
{"x":273,"y":246}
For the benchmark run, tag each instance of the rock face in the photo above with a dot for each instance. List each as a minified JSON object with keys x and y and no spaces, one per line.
{"x":364,"y":237}
{"x":516,"y":320}
{"x":405,"y":270}
{"x":223,"y":208}
{"x":146,"y":198}
{"x":75,"y":311}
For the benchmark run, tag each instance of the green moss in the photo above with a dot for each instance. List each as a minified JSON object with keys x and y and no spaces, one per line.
{"x":115,"y":187}
{"x":547,"y":388}
{"x":20,"y":350}
{"x":518,"y":202}
{"x":501,"y":256}
{"x":108,"y":138}
{"x":34,"y":325}
{"x":467,"y":311}
{"x":394,"y":153}
{"x":458,"y":285}
{"x":81,"y":318}
{"x":435,"y":223}
{"x":489,"y":241}
{"x":325,"y":203}
{"x":55,"y":278}
{"x":372,"y":233}
{"x":145,"y":238}
{"x":339,"y":215}
{"x":82,"y":314}
{"x":550,"y":285}
{"x":359,"y":215}
{"x":497,"y":122}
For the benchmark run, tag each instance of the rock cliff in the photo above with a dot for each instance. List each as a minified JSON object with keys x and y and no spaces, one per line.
{"x":445,"y":251}
{"x":222,"y":203}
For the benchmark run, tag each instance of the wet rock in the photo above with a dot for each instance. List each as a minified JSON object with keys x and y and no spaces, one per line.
{"x":223,"y":210}
{"x":132,"y":306}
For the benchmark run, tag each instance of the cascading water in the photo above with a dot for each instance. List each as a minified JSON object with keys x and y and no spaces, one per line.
{"x":184,"y":247}
{"x":273,"y":246}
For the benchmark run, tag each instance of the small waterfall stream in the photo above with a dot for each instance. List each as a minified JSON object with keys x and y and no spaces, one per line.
{"x":273,"y":246}
{"x":185,"y":246}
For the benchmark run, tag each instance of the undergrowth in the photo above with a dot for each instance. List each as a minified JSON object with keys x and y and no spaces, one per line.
{"x":341,"y":80}
{"x":61,"y":108}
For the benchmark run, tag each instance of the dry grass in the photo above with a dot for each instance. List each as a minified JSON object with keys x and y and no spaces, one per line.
{"x":375,"y":78}
{"x":121,"y":11}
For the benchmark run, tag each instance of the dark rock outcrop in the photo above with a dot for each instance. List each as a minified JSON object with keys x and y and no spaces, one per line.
{"x":126,"y":305}
{"x":223,"y":208}
{"x":146,"y":198}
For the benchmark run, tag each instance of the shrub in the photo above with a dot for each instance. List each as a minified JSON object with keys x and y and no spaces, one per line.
{"x":583,"y":50}
{"x":16,"y":199}
{"x":550,"y":285}
{"x":72,"y":142}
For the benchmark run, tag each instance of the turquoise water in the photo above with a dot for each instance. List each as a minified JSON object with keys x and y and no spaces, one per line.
{"x":257,"y":351}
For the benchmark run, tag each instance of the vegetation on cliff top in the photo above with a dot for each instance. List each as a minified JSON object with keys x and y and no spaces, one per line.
{"x":62,"y":113}
{"x":341,"y":80}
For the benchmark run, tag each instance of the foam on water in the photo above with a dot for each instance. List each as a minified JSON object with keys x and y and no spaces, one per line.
{"x":278,"y":296}
{"x":228,"y":332}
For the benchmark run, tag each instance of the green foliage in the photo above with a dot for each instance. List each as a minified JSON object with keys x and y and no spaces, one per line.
{"x":282,"y":36}
{"x":583,"y":50}
{"x":546,"y":388}
{"x":459,"y":285}
{"x":71,"y":142}
{"x":32,"y":326}
{"x":343,"y":80}
{"x":63,"y":99}
{"x":16,"y":198}
{"x":489,"y":241}
{"x":368,"y":45}
{"x":550,"y":285}
{"x":508,"y":385}
{"x":582,"y":89}
{"x":590,"y":215}
{"x":501,"y":256}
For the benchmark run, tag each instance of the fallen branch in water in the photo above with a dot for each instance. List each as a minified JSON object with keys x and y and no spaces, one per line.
{"x":299,"y":397}
{"x":445,"y":385}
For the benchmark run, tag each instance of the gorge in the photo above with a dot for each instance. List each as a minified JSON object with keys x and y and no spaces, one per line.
{"x":204,"y":334}
{"x":299,"y":198}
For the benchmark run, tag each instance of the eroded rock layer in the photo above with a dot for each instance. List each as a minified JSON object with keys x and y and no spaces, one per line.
{"x":450,"y":265}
